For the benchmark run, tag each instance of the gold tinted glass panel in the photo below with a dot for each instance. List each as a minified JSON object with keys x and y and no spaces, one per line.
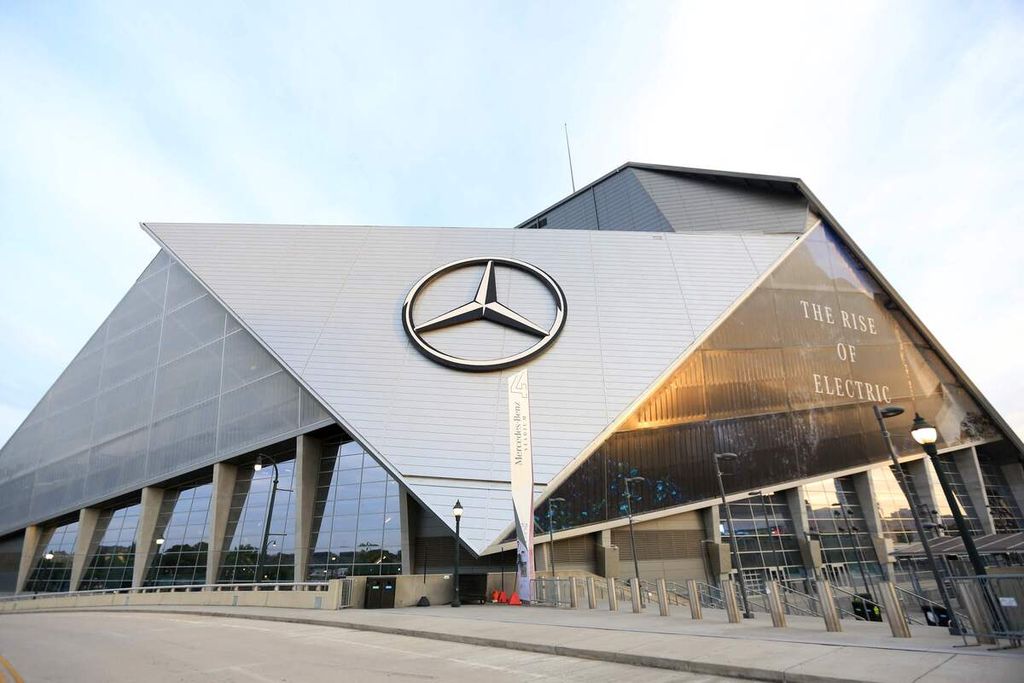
{"x":787,"y":382}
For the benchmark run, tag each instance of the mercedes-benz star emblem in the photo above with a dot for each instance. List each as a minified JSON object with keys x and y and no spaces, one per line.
{"x":484,"y":306}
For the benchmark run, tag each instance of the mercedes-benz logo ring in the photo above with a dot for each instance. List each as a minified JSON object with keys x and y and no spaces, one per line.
{"x":484,"y":306}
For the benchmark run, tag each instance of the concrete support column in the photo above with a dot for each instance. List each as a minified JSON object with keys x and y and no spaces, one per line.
{"x":146,"y":533}
{"x":810,"y":548}
{"x":607,"y":555}
{"x":224,"y":476}
{"x":970,"y":471}
{"x":1014,"y":473}
{"x":308,"y":452}
{"x":407,"y":533}
{"x":716,"y":554}
{"x":88,"y":518}
{"x":927,"y":489}
{"x":865,"y":490}
{"x":29,"y":549}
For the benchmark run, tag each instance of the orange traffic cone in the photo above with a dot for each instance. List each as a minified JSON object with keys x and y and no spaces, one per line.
{"x":502,"y":598}
{"x":514,"y":600}
{"x":494,"y":596}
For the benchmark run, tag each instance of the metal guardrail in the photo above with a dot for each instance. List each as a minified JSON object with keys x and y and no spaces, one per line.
{"x":550,"y":592}
{"x":995,"y":607}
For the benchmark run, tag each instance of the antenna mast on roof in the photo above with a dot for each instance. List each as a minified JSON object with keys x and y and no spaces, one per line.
{"x":569,"y":153}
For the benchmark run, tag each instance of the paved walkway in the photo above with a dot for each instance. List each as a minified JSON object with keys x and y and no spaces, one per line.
{"x":804,"y":652}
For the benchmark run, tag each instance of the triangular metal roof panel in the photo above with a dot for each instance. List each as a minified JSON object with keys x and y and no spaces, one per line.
{"x":326,"y":300}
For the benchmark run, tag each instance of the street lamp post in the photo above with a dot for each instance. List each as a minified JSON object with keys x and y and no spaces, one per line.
{"x":270,"y":511}
{"x":729,"y":457}
{"x":632,"y":536}
{"x":551,"y":532}
{"x":881,"y":414}
{"x":457,"y":511}
{"x":926,"y":435}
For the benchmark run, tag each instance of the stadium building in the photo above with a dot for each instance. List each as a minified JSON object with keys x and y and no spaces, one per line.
{"x":329,"y":392}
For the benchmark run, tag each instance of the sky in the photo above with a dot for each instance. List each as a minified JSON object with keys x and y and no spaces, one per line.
{"x":906,"y":119}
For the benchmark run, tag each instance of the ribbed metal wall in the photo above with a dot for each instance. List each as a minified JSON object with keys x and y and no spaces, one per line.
{"x":638,"y":199}
{"x":168,"y":383}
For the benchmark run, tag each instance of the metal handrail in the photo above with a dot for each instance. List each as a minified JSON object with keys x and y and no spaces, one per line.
{"x":961,"y":618}
{"x":212,"y":587}
{"x":854,"y":595}
{"x":788,"y":605}
{"x":710,"y":596}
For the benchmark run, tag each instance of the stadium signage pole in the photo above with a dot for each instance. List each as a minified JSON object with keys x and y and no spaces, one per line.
{"x":521,"y":477}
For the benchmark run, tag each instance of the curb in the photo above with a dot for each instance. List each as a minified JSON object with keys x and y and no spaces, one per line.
{"x":648,"y":661}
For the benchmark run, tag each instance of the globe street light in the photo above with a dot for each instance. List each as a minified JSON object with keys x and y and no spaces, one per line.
{"x":926,"y":435}
{"x":270,"y":511}
{"x":457,"y":511}
{"x":730,"y":457}
{"x":551,"y":532}
{"x":881,"y":415}
{"x":632,"y":537}
{"x":48,"y":556}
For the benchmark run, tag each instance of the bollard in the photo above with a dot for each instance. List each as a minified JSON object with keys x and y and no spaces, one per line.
{"x":894,"y":613}
{"x":693,"y":592}
{"x":613,"y":597}
{"x":775,"y":604}
{"x":634,"y":590}
{"x":828,"y":607}
{"x":662,"y":598}
{"x":574,"y":596}
{"x":732,"y":606}
{"x":591,"y":593}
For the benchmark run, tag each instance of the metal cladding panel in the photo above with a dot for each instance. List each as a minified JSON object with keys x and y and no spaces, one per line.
{"x":327,"y":301}
{"x":167,"y":384}
{"x":617,"y":203}
{"x":703,"y":204}
{"x":579,"y":213}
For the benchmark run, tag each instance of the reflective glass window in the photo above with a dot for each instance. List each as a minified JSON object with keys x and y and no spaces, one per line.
{"x":836,"y":518}
{"x":1006,"y":513}
{"x":113,"y":560}
{"x":893,"y":509}
{"x":247,"y":519}
{"x":357,"y":517}
{"x":182,"y":524}
{"x":52,"y":571}
{"x":947,"y":461}
{"x":765,"y":539}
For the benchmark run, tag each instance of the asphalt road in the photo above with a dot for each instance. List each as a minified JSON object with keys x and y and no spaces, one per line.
{"x":85,"y":647}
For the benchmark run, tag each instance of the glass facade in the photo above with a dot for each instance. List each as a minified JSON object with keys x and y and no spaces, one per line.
{"x":787,"y":382}
{"x":947,"y":461}
{"x":182,"y":523}
{"x":765,"y":538}
{"x":246,"y":522}
{"x":357,"y":520}
{"x":112,"y":562}
{"x":893,"y":510}
{"x":836,"y":517}
{"x":52,"y":571}
{"x":1006,"y":513}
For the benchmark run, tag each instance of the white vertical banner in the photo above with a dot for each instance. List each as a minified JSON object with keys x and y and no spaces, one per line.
{"x":521,"y":461}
